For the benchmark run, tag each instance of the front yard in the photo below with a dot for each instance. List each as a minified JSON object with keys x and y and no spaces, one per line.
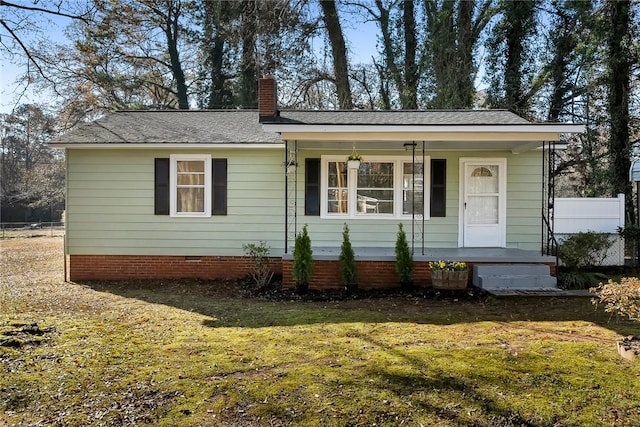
{"x":198,"y":353}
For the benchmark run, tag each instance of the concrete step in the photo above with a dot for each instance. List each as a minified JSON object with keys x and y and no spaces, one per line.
{"x":513,"y":276}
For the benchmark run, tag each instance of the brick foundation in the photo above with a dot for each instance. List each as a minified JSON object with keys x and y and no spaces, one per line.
{"x":127,"y":267}
{"x":326,"y":275}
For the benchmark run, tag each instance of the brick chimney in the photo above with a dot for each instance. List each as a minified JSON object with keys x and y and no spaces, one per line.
{"x":267,"y":99}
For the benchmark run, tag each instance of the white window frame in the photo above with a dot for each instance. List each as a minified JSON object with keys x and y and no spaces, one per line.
{"x":173,"y":185}
{"x":352,"y":177}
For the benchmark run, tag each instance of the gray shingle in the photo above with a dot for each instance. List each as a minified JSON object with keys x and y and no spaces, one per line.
{"x":242,"y":126}
{"x":165,"y":127}
{"x":400,"y":118}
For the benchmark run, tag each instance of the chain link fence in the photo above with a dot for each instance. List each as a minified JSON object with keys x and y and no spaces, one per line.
{"x":14,"y":230}
{"x":616,"y":255}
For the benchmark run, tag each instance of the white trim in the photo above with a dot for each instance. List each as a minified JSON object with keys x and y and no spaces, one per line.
{"x":542,"y":128}
{"x":172,"y":146}
{"x":352,"y":176}
{"x":173,"y":209}
{"x":502,"y":195}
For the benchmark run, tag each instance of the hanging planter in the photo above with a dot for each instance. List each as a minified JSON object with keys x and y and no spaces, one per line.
{"x":354,"y":159}
{"x":353,"y":164}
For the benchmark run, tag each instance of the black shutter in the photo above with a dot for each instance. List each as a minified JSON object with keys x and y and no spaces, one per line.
{"x":312,"y":187}
{"x":438,"y":188}
{"x":161,"y":200}
{"x":219,"y":187}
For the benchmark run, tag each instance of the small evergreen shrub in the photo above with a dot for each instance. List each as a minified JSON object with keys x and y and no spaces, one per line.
{"x":347,"y":259}
{"x":302,"y":260}
{"x":404,"y":259}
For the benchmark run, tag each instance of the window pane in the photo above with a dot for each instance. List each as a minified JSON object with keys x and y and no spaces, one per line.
{"x":375,"y":188}
{"x":190,"y":178}
{"x":412,"y":182}
{"x":337,"y":174}
{"x":190,"y":200}
{"x":190,"y":166}
{"x":482,"y":210}
{"x":375,"y":201}
{"x":337,"y":201}
{"x":375,"y":175}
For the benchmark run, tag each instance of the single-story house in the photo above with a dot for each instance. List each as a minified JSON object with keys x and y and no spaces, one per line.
{"x":176,"y":194}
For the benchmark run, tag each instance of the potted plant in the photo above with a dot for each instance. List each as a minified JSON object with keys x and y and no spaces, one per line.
{"x":302,"y":261}
{"x":449,"y":274}
{"x":347,"y":258}
{"x":353,"y":160}
{"x":404,"y":260}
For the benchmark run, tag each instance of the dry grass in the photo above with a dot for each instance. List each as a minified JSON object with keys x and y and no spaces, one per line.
{"x":196,"y":353}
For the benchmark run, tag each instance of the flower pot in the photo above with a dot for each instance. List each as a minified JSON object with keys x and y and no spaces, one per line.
{"x":629,"y":348}
{"x":353,"y":164}
{"x":458,"y":279}
{"x":444,"y":279}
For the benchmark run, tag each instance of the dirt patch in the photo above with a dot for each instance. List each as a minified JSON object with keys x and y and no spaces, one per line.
{"x":276,"y":293}
{"x":19,"y":334}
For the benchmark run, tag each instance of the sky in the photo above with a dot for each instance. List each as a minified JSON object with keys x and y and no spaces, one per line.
{"x":360,"y":37}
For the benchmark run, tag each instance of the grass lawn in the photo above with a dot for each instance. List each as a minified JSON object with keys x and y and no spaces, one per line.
{"x":196,"y":353}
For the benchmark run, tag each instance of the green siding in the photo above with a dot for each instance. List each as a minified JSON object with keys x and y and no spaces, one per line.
{"x":110,"y":205}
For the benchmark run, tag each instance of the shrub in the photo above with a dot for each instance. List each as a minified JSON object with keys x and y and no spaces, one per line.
{"x":404,"y":259}
{"x":622,"y":298}
{"x":584,"y":250}
{"x":348,"y":262}
{"x":572,"y":279}
{"x":260,"y":270}
{"x":302,"y":260}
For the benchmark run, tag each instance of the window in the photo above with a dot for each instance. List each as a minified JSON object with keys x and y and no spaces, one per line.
{"x":381,"y":187}
{"x":190,"y":185}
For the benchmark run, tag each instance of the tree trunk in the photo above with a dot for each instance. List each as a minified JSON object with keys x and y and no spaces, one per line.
{"x":248,"y":72}
{"x":619,"y":71}
{"x":171,"y":31}
{"x":410,"y":92}
{"x":339,"y":52}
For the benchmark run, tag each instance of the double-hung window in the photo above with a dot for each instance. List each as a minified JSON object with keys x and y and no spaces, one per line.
{"x":382,"y":187}
{"x":190,"y":185}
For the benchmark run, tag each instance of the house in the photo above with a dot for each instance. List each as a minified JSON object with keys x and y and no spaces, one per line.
{"x":176,"y":194}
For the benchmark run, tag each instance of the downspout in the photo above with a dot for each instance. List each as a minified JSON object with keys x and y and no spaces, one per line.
{"x":65,"y":245}
{"x":286,"y":197}
{"x":424,"y":202}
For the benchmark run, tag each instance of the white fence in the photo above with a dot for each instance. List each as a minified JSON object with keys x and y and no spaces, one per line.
{"x":602,"y":215}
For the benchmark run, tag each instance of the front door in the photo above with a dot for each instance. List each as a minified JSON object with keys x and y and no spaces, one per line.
{"x":482,"y":202}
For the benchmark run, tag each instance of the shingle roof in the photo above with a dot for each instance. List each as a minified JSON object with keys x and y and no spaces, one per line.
{"x":400,"y":118}
{"x":171,"y":127}
{"x":243,"y":127}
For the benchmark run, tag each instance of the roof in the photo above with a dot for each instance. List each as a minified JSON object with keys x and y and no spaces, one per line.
{"x":401,"y":117}
{"x":171,"y":127}
{"x":154,"y":128}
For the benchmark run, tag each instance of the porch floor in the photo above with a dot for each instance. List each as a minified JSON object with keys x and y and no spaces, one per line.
{"x":484,"y":255}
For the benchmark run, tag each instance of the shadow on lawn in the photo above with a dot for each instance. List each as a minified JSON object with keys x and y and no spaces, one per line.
{"x":231,"y":305}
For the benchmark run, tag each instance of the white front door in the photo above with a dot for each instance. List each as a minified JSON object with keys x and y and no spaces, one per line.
{"x":482,"y":202}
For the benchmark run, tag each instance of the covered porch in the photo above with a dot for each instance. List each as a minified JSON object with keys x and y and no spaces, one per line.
{"x":376,"y":266}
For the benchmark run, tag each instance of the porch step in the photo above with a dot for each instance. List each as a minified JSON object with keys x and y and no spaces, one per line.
{"x":513,"y":276}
